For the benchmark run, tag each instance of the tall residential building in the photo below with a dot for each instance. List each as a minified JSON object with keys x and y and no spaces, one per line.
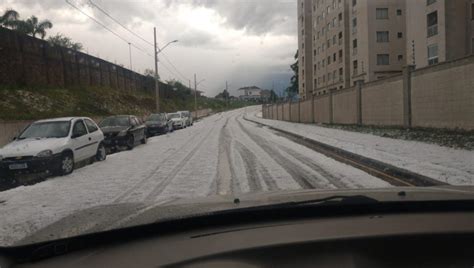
{"x":367,"y":40}
{"x":305,"y":45}
{"x":356,"y":40}
{"x":439,"y":30}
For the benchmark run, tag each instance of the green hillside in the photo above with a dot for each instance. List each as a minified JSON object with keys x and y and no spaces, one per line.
{"x":22,"y":103}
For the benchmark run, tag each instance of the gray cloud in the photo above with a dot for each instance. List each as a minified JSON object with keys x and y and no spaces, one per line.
{"x":256,"y":17}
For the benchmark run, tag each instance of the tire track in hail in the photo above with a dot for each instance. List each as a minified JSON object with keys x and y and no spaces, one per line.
{"x":255,"y":169}
{"x":150,"y":175}
{"x":225,"y":169}
{"x":158,"y":189}
{"x":310,"y":163}
{"x":300,"y":176}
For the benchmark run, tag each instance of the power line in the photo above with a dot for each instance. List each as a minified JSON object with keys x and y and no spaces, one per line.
{"x":117,"y":35}
{"x":141,"y":38}
{"x":116,"y":21}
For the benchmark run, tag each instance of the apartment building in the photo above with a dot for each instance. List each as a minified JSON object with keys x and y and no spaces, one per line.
{"x":305,"y":45}
{"x":439,"y":30}
{"x":356,"y":40}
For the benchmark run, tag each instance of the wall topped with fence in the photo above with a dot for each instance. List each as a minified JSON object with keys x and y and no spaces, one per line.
{"x":439,"y":96}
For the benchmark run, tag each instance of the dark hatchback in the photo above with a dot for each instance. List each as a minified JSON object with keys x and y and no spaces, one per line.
{"x":122,"y":131}
{"x":158,"y":124}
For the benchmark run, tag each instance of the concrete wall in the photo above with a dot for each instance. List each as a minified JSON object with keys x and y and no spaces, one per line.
{"x":382,"y":102}
{"x":438,"y":96}
{"x":321,"y":109}
{"x":305,"y":111}
{"x":286,"y":112}
{"x":443,"y":95}
{"x":295,"y":114}
{"x":345,"y":106}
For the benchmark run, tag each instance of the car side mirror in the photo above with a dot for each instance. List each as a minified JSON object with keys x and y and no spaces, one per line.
{"x":14,"y":138}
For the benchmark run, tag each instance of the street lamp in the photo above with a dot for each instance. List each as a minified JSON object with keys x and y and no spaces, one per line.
{"x":157,"y":83}
{"x":195,"y":94}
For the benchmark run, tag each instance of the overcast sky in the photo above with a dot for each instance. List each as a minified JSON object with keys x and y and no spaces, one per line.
{"x":246,"y":42}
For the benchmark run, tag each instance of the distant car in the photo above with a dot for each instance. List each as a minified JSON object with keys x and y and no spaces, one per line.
{"x":122,"y":131}
{"x":188,"y":116}
{"x":178,"y":120}
{"x":158,"y":124}
{"x":53,"y":146}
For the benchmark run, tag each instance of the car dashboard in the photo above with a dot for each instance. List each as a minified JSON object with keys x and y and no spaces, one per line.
{"x":429,"y":239}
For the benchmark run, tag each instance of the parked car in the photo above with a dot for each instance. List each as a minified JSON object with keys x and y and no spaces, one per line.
{"x":188,"y":116}
{"x":158,"y":124}
{"x":178,"y":120}
{"x":122,"y":131}
{"x":53,"y":146}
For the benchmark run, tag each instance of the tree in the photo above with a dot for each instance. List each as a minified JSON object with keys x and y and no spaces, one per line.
{"x":150,"y":73}
{"x":273,"y":96}
{"x":64,"y":41}
{"x":33,"y":26}
{"x":223,"y":95}
{"x":9,"y":18}
{"x":292,"y":90}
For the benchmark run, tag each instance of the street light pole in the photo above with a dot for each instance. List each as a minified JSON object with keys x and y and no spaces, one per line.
{"x":195,"y":99}
{"x":130,"y":53}
{"x":157,"y":83}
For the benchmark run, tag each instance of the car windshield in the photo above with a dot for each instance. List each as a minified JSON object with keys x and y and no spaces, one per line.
{"x":122,"y":121}
{"x":46,"y":130}
{"x":171,"y":116}
{"x":155,"y":117}
{"x":189,"y":105}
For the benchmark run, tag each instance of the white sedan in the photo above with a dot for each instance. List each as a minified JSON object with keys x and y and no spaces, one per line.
{"x":178,"y":120}
{"x":53,"y":145}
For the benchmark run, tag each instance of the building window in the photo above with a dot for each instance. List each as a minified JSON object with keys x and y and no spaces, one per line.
{"x":329,"y":43}
{"x":324,"y":46}
{"x":329,"y":60}
{"x":354,"y":47}
{"x":429,"y":2}
{"x":354,"y":25}
{"x":340,"y":56}
{"x":324,"y":78}
{"x":400,"y":35}
{"x":324,"y":63}
{"x":354,"y":2}
{"x":400,"y":57}
{"x":340,"y":17}
{"x":334,"y":22}
{"x":432,"y":20}
{"x":399,"y":12}
{"x":354,"y":66}
{"x":334,"y":56}
{"x":334,"y":40}
{"x":432,"y":54}
{"x":334,"y":74}
{"x":382,"y":37}
{"x":381,"y":13}
{"x":383,"y":59}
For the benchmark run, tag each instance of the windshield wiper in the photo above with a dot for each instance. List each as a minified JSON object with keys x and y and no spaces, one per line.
{"x":330,"y":200}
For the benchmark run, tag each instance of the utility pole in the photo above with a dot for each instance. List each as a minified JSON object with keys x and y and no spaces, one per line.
{"x":195,"y":98}
{"x":157,"y":83}
{"x":227,"y":90}
{"x":130,"y":52}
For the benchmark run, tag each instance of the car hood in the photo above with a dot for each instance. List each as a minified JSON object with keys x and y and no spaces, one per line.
{"x":117,"y":216}
{"x":176,"y":119}
{"x":31,"y":147}
{"x":113,"y":129}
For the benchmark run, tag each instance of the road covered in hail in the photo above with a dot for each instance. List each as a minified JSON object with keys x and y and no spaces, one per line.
{"x":223,"y":154}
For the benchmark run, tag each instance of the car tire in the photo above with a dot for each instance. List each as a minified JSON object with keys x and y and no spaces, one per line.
{"x":130,"y":142}
{"x":66,"y":165}
{"x":101,"y":153}
{"x":144,"y":140}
